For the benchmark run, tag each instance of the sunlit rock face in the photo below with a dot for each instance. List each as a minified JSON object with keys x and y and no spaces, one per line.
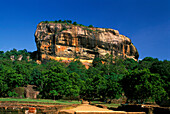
{"x":67,"y":41}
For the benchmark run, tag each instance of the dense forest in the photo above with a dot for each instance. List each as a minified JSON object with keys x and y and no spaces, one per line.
{"x":107,"y":78}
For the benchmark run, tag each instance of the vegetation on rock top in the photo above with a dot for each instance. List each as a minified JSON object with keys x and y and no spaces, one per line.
{"x":66,"y":22}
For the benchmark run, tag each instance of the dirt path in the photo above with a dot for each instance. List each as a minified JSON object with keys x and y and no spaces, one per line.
{"x":87,"y":107}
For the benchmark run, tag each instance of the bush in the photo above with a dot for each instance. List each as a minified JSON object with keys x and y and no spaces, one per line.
{"x":69,"y":21}
{"x":64,"y":21}
{"x":19,"y":91}
{"x":64,"y":28}
{"x":75,"y":23}
{"x":12,"y":94}
{"x":39,"y":96}
{"x":90,"y":25}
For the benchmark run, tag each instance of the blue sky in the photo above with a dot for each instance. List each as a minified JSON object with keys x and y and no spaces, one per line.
{"x":145,"y":22}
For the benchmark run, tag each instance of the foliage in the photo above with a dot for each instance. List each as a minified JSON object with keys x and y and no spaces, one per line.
{"x":147,"y":62}
{"x":68,"y":22}
{"x":90,"y":25}
{"x":130,"y":64}
{"x":46,"y":21}
{"x":19,"y":91}
{"x":78,"y":67}
{"x":54,"y":93}
{"x":108,"y":78}
{"x":64,"y":21}
{"x":74,"y":23}
{"x":74,"y":85}
{"x":12,"y":94}
{"x":141,"y":84}
{"x":56,"y":78}
{"x":92,"y":83}
{"x":160,"y":67}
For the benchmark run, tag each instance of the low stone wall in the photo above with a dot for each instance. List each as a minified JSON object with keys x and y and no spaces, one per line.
{"x":15,"y":107}
{"x":97,"y":112}
{"x":18,"y":108}
{"x":161,"y":110}
{"x":13,"y":110}
{"x":148,"y":109}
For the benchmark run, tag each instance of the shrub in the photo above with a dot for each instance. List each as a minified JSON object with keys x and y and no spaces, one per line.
{"x":64,"y":21}
{"x":19,"y":91}
{"x":69,"y":21}
{"x":90,"y":25}
{"x":46,"y":21}
{"x":75,"y":23}
{"x":12,"y":94}
{"x":64,"y":28}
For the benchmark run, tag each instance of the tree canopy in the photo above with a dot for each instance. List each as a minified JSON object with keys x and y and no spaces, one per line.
{"x":108,"y":78}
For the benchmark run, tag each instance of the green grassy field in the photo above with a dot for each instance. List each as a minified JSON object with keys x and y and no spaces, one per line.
{"x":41,"y":100}
{"x":106,"y":104}
{"x":49,"y":101}
{"x":112,"y":105}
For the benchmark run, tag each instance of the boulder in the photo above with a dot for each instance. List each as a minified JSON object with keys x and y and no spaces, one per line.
{"x":62,"y":40}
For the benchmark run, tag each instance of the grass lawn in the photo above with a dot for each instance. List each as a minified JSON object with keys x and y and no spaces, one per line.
{"x":106,"y":104}
{"x":112,"y":105}
{"x":41,"y":100}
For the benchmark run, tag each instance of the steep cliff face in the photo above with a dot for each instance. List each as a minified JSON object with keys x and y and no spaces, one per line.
{"x":67,"y":41}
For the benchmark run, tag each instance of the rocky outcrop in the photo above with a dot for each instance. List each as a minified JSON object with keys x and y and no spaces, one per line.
{"x":67,"y":41}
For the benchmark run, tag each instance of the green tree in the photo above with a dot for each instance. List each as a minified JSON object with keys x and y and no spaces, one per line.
{"x":112,"y":71}
{"x":3,"y":85}
{"x":90,"y":25}
{"x":147,"y":62}
{"x":160,"y":67}
{"x":74,"y":23}
{"x":97,"y":61}
{"x":54,"y":93}
{"x":69,"y":21}
{"x":9,"y":79}
{"x":130,"y":64}
{"x":1,"y":54}
{"x":12,"y":94}
{"x":78,"y":67}
{"x":74,"y":85}
{"x":56,"y":78}
{"x":64,"y":21}
{"x":163,"y":68}
{"x":114,"y":89}
{"x":92,"y":83}
{"x":37,"y":78}
{"x":24,"y":53}
{"x":141,"y":85}
{"x":25,"y":69}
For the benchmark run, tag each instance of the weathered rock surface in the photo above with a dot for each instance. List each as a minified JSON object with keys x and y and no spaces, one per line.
{"x":55,"y":40}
